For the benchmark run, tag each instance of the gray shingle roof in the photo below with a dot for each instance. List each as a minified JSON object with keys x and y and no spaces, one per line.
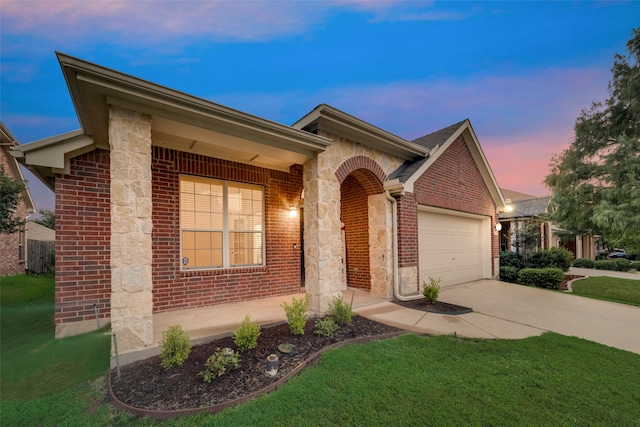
{"x":430,"y":141}
{"x":527,"y":208}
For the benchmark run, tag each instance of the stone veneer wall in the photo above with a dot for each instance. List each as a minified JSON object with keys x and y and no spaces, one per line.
{"x":323,"y":236}
{"x":131,"y":226}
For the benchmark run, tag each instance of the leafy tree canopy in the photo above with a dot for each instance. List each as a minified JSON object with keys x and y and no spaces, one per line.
{"x":596,"y":181}
{"x":48,"y":218}
{"x":10,"y":195}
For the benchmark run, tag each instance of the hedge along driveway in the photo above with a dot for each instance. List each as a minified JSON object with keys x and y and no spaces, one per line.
{"x":604,"y":322}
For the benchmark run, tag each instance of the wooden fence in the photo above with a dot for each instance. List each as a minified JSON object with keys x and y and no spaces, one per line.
{"x":40,"y":256}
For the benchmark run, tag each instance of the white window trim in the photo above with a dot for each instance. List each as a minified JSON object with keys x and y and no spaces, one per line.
{"x":226,"y":241}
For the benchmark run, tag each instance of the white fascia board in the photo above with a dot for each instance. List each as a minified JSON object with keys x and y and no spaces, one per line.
{"x":105,"y":82}
{"x":54,"y":152}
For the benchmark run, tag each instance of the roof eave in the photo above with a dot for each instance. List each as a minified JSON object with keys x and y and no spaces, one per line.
{"x":331,"y":120}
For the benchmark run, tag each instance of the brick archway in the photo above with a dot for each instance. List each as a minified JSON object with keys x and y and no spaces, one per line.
{"x":368,"y":173}
{"x":360,"y":188}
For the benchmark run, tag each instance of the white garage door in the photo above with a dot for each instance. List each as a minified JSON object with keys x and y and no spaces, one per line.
{"x":455,"y":248}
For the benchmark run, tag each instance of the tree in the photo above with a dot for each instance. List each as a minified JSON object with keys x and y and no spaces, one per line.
{"x":48,"y":218}
{"x":10,"y":196}
{"x":596,"y":181}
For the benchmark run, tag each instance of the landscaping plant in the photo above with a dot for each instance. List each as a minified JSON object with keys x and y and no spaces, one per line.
{"x":246,"y":336}
{"x":341,"y":312}
{"x":297,"y":314}
{"x":432,"y":290}
{"x":549,"y":278}
{"x":174,"y":347}
{"x":219,"y":363}
{"x":325,"y":327}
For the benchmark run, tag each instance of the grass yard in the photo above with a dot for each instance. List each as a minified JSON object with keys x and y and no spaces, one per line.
{"x":409,"y":380}
{"x":626,"y":291}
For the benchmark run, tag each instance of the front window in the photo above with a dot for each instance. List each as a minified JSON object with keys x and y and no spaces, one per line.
{"x":221,"y":223}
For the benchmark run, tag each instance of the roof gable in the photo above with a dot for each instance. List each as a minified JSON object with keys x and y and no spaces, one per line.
{"x":8,"y":143}
{"x":404,"y":178}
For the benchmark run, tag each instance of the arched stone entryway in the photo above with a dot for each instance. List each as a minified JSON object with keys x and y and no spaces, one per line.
{"x":366,"y":218}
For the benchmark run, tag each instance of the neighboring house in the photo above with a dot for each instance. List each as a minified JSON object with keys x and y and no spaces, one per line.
{"x":13,"y":246}
{"x":40,"y":248}
{"x":525,"y":209}
{"x":165,"y":201}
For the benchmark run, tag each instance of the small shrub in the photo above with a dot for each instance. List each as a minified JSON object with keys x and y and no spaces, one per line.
{"x":560,"y":258}
{"x":605,"y":264}
{"x":511,"y":259}
{"x":623,"y":264}
{"x":174,"y":347}
{"x":297,"y":314}
{"x":584,"y":263}
{"x":549,"y":278}
{"x":635,"y":265}
{"x":540,"y":259}
{"x":509,"y":274}
{"x":432,"y":290}
{"x":325,"y":327}
{"x":341,"y":311}
{"x":246,"y":336}
{"x":219,"y":363}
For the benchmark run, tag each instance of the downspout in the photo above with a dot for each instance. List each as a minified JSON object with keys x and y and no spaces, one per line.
{"x":394,"y":227}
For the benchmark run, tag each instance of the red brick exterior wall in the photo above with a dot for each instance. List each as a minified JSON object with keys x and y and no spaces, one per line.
{"x":452,"y":182}
{"x":10,"y":262}
{"x":174,"y":289}
{"x":354,"y":212}
{"x":83,"y":234}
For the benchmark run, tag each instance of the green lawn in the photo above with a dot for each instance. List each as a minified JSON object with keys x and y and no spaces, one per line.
{"x":409,"y":380}
{"x":626,"y":291}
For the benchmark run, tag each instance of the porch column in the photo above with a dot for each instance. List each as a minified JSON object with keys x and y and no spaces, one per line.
{"x":381,"y":246}
{"x":322,"y":233}
{"x":131,"y":205}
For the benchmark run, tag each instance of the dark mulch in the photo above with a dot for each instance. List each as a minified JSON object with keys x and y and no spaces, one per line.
{"x":145,"y":384}
{"x":567,"y":278}
{"x":437,"y":307}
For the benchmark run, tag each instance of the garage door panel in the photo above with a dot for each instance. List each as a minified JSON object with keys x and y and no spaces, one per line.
{"x":450,"y":247}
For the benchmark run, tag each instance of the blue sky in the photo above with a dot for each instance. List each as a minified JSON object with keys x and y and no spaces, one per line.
{"x":520,"y":71}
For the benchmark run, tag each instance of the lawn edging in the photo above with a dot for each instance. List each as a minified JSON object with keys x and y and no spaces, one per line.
{"x":164,"y":415}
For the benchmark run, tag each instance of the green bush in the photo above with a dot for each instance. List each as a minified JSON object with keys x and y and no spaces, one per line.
{"x":605,"y":264}
{"x":174,"y":347}
{"x":509,"y":274}
{"x":220,"y":362}
{"x":635,"y":265}
{"x":341,"y":311}
{"x":297,"y":314}
{"x":432,"y":290}
{"x":325,"y":327}
{"x":246,"y":336}
{"x":511,"y":259}
{"x":549,"y":278}
{"x":623,"y":264}
{"x":551,"y":258}
{"x":584,"y":263}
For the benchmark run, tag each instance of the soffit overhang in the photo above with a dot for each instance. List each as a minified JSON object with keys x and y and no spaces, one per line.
{"x":331,"y":120}
{"x":179,"y":121}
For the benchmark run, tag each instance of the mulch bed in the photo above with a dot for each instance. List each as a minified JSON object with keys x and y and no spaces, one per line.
{"x":438,"y":307}
{"x":567,"y":278}
{"x":148,"y":386}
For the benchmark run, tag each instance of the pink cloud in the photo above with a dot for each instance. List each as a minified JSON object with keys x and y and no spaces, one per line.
{"x":151,"y":22}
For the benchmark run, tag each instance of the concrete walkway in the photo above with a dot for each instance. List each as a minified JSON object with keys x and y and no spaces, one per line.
{"x":500,"y":311}
{"x":593,"y":272}
{"x":505,"y":310}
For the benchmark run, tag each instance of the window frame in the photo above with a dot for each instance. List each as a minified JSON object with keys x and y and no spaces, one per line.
{"x":227,"y":230}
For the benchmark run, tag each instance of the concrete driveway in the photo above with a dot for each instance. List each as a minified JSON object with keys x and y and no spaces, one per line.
{"x":510,"y":311}
{"x":608,"y":323}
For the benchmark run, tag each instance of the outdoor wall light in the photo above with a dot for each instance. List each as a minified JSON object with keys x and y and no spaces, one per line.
{"x":498,"y":226}
{"x":293,"y":212}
